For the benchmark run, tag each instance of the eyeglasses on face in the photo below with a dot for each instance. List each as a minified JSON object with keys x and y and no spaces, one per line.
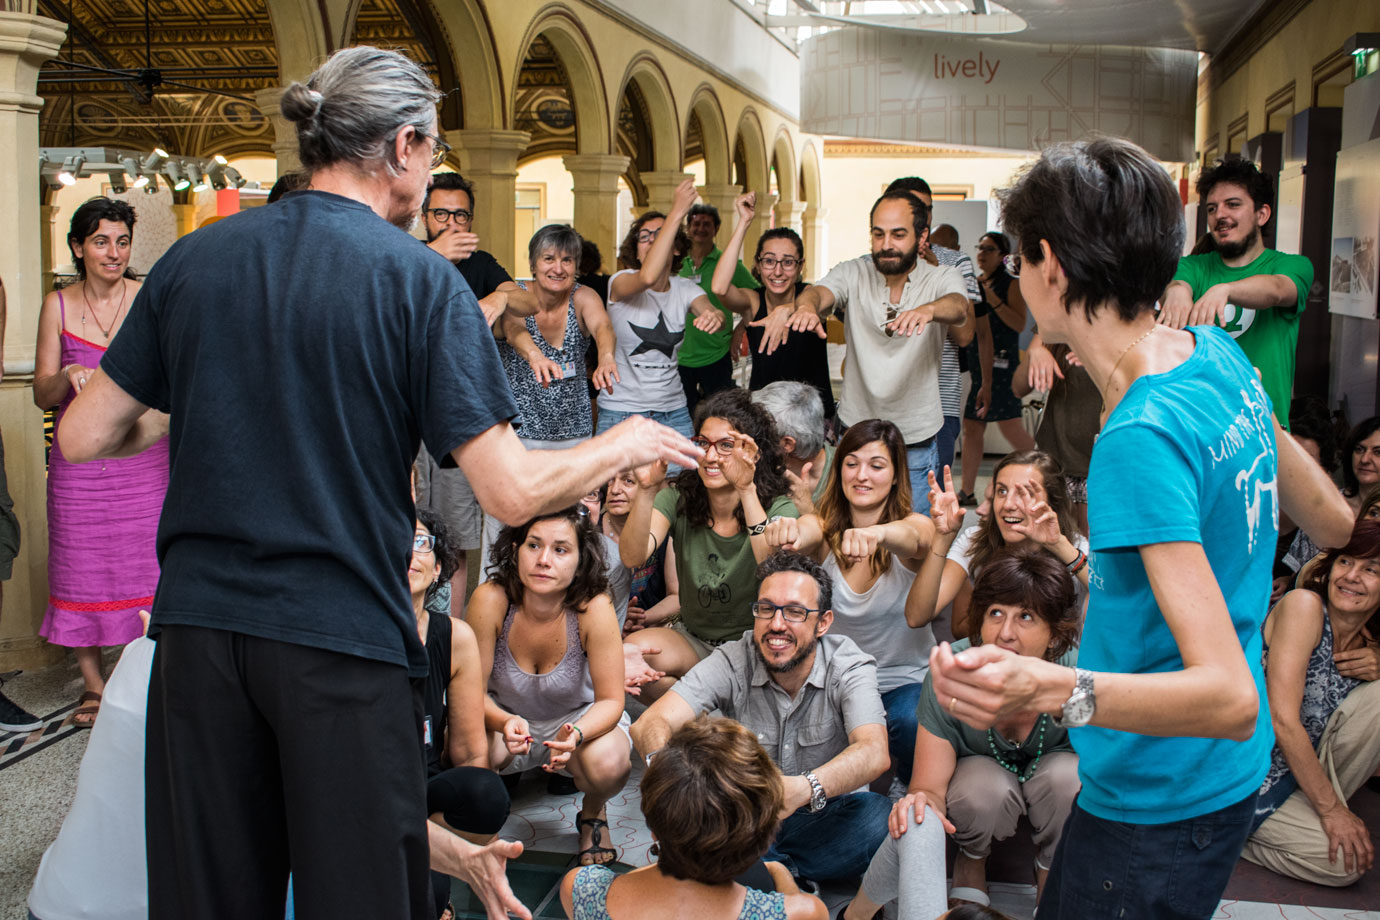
{"x":723,"y":447}
{"x":646,"y":236}
{"x":445,"y":216}
{"x":770,"y":262}
{"x":791,"y":613}
{"x":439,"y":152}
{"x":423,"y":543}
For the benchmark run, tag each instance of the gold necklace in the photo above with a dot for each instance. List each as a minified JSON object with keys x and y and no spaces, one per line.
{"x":1124,"y":352}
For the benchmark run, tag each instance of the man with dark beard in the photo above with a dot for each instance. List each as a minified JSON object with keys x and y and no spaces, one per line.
{"x":895,"y":306}
{"x":812,"y":700}
{"x":1254,"y":293}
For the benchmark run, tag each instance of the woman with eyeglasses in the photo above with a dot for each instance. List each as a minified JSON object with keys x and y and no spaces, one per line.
{"x":462,"y":793}
{"x":1002,"y":311}
{"x":717,"y":516}
{"x":552,"y":659}
{"x":778,"y":268}
{"x":872,"y":544}
{"x":649,"y":304}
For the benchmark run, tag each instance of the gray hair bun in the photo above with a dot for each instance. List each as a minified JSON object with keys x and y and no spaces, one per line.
{"x":301,"y":103}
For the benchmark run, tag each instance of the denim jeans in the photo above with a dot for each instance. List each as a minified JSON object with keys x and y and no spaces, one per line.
{"x":901,"y":723}
{"x":836,"y":843}
{"x":678,"y":419}
{"x":945,"y":441}
{"x":921,"y":460}
{"x":1174,"y":871}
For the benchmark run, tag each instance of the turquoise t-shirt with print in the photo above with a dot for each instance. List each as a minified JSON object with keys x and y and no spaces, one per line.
{"x":1188,"y":455}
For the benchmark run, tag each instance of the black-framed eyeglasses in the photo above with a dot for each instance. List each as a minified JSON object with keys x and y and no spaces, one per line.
{"x":770,"y":262}
{"x":438,"y":152}
{"x":446,"y":215}
{"x":791,"y":613}
{"x":723,"y":447}
{"x":891,"y":311}
{"x":647,"y":236}
{"x":1013,"y":265}
{"x":423,"y":543}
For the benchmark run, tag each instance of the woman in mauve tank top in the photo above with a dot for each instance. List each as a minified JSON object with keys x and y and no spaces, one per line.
{"x":552,"y":657}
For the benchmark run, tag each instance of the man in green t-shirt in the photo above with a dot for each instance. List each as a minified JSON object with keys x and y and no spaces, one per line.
{"x":1254,"y":293}
{"x":705,"y":364}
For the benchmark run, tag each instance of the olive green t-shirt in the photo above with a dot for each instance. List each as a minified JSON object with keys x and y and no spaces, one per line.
{"x":1268,"y":337}
{"x":699,"y":348}
{"x":968,"y":741}
{"x":718,"y":575}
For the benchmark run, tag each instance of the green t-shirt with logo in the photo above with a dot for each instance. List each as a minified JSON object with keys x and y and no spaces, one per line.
{"x":1268,"y":337}
{"x":699,"y":348}
{"x":718,"y":575}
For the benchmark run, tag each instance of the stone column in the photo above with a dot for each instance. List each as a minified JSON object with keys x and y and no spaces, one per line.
{"x":284,"y":131}
{"x":185,"y":214}
{"x":47,"y":224}
{"x":596,"y":198}
{"x":661,"y":188}
{"x":789,"y":214}
{"x":26,"y":41}
{"x":488,"y":159}
{"x":815,"y":231}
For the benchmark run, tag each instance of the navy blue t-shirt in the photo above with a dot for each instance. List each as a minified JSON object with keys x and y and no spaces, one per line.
{"x":303,"y":350}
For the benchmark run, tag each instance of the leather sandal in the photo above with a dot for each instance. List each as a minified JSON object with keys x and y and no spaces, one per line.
{"x":93,"y":699}
{"x":596,"y":849}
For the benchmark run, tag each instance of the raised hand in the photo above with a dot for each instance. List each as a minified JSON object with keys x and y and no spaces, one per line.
{"x":651,"y":476}
{"x":945,"y":510}
{"x":859,"y":543}
{"x":808,"y":321}
{"x":644,"y":441}
{"x":637,"y":673}
{"x":561,"y":748}
{"x":746,"y":206}
{"x":1040,"y":524}
{"x":1043,"y":368}
{"x":775,"y":326}
{"x":803,"y":487}
{"x":455,"y":245}
{"x":783,"y":533}
{"x":683,"y":200}
{"x":741,"y":466}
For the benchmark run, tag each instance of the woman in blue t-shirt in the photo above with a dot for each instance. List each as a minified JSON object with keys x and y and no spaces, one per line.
{"x":1187,"y":481}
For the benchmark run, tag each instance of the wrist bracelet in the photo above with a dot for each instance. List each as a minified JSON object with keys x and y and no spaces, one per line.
{"x":756,"y":530}
{"x":579,"y":731}
{"x":1078,"y":562}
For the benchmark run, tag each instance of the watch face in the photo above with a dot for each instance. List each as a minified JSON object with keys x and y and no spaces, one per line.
{"x":1078,"y":711}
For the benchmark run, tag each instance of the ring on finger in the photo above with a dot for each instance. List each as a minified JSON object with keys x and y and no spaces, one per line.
{"x":953,"y":701}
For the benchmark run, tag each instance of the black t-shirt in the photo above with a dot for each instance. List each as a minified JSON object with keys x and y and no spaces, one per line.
{"x":303,"y":349}
{"x":803,"y":357}
{"x":482,"y":273}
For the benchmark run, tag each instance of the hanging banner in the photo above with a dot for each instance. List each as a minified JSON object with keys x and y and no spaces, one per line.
{"x":937,"y":89}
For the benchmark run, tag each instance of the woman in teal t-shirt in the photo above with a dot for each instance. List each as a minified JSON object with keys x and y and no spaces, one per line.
{"x":716,"y":515}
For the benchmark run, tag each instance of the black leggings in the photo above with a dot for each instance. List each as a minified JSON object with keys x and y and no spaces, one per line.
{"x":470,"y":799}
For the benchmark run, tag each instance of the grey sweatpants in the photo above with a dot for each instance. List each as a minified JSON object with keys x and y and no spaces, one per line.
{"x":910,"y":871}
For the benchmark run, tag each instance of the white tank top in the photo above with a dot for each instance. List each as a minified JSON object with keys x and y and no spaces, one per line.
{"x":876,"y":621}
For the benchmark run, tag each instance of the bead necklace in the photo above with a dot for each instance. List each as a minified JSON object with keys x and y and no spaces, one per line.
{"x":1124,"y":353}
{"x":1029,"y":771}
{"x":124,"y":292}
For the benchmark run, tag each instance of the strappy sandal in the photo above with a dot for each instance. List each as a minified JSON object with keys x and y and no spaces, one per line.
{"x":595,"y":850}
{"x":94,"y":699}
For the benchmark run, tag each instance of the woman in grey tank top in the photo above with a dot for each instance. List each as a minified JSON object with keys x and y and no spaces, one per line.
{"x":552,"y":658}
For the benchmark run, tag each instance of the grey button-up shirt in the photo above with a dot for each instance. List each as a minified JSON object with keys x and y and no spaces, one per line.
{"x":800,"y":734}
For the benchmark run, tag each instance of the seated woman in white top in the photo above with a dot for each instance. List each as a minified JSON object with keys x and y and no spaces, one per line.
{"x":648,"y":304}
{"x":1031,"y":512}
{"x":872,"y":544}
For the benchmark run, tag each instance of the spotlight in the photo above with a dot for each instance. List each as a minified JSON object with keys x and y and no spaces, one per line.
{"x":131,"y":166}
{"x":233,"y":177}
{"x":152,"y":187}
{"x":156,"y":159}
{"x":201,"y":183}
{"x":71,"y":168}
{"x":176,"y":178}
{"x":117,"y":182}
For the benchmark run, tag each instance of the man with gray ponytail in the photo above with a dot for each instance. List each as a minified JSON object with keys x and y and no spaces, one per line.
{"x":285,"y":702}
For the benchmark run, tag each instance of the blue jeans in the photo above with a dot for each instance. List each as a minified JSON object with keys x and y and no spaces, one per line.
{"x":836,"y":843}
{"x":901,"y":723}
{"x":945,"y":441}
{"x":921,"y":460}
{"x":1174,"y":871}
{"x":678,"y":419}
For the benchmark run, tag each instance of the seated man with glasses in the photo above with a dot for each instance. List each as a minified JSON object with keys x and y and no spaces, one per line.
{"x":812,"y":700}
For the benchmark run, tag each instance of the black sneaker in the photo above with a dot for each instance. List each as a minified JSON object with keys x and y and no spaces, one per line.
{"x":16,"y":719}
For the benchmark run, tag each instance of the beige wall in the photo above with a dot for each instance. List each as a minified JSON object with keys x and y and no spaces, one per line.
{"x":1285,"y":57}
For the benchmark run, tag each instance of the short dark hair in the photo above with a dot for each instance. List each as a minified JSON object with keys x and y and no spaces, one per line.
{"x":449,"y":182}
{"x":627,"y":251}
{"x":911,"y":184}
{"x":446,"y":549}
{"x":785,"y":560}
{"x":711,"y":797}
{"x":1238,"y":171}
{"x":1110,"y":214}
{"x":559,"y":237}
{"x":591,"y":576}
{"x":1367,"y":427}
{"x":919,"y":212}
{"x":1039,"y":583}
{"x":1309,"y":418}
{"x":294,"y":180}
{"x":591,"y":259}
{"x":701,"y":208}
{"x":974,"y":912}
{"x":999,"y":240}
{"x":87,"y":219}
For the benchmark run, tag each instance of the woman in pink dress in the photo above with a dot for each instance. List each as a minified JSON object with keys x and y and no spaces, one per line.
{"x":102,"y":516}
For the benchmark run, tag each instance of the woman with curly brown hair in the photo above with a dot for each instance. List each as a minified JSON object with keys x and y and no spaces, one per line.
{"x":552,"y":657}
{"x":717,"y":516}
{"x":712,"y":798}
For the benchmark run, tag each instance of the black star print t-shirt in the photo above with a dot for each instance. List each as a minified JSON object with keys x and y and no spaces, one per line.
{"x":649,"y":328}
